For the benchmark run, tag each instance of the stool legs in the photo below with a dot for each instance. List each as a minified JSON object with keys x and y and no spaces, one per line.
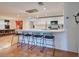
{"x":33,"y":41}
{"x":29,"y":42}
{"x":54,"y":47}
{"x":12,"y":40}
{"x":45,"y":54}
{"x":18,"y":41}
{"x":42,"y":45}
{"x":22,"y":41}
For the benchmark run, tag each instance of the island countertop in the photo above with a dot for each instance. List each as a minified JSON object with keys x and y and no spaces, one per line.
{"x":41,"y":30}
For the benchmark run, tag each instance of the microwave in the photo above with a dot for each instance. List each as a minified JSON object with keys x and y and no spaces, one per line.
{"x":53,"y":25}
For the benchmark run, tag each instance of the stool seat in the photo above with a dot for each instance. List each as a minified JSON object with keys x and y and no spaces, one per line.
{"x":49,"y":37}
{"x":27,"y":35}
{"x":38,"y":35}
{"x":19,"y":33}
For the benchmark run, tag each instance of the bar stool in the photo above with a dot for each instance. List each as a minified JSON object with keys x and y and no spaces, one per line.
{"x":50,"y":36}
{"x":1,"y":33}
{"x":29,"y":36}
{"x":22,"y":41}
{"x":39,"y":35}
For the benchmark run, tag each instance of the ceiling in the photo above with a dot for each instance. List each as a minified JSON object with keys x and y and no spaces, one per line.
{"x":17,"y":9}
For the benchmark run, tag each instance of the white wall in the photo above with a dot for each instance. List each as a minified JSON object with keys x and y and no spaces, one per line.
{"x":78,"y":37}
{"x":71,"y":9}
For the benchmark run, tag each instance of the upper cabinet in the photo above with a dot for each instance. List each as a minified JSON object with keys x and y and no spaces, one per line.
{"x":2,"y":24}
{"x":53,"y":23}
{"x":40,"y":24}
{"x":7,"y":24}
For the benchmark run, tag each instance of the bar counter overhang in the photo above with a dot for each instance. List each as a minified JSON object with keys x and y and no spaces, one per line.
{"x":40,"y":30}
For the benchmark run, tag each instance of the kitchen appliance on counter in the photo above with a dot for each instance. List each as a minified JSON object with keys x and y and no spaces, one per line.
{"x":53,"y":25}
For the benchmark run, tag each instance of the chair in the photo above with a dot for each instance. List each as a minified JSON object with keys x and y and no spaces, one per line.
{"x":50,"y":36}
{"x":36,"y":36}
{"x":29,"y":36}
{"x":22,"y":41}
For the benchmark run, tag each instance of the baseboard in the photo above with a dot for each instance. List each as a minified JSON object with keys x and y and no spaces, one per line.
{"x":69,"y":52}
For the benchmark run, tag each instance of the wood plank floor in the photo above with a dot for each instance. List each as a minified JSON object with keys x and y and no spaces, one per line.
{"x":7,"y":50}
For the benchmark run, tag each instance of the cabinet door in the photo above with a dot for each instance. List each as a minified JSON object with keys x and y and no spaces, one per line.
{"x":2,"y":24}
{"x":40,"y":24}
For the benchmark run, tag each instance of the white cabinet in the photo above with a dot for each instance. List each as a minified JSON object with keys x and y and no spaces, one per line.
{"x":44,"y":23}
{"x":53,"y":23}
{"x":7,"y":25}
{"x":2,"y":24}
{"x":40,"y":24}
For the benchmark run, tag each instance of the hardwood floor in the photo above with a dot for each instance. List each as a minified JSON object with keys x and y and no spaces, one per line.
{"x":7,"y":50}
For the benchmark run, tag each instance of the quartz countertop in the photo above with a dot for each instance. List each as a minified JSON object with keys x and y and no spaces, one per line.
{"x":42,"y":30}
